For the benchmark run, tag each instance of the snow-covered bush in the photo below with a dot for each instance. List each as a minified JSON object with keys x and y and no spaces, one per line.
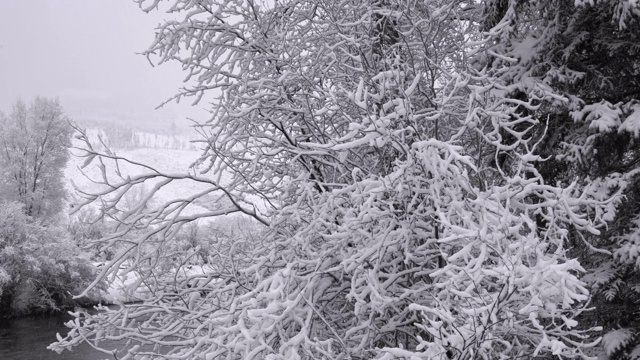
{"x":40,"y":267}
{"x":399,"y":154}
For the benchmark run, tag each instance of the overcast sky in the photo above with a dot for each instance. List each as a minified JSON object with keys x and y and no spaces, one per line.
{"x":84,"y":52}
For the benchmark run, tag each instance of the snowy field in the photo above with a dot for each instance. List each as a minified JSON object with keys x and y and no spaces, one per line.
{"x":170,"y":161}
{"x":164,"y":160}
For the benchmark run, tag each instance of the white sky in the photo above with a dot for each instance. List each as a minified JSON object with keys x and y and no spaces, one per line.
{"x":84,"y":52}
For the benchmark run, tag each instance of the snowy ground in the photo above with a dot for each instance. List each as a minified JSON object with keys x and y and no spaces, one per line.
{"x":164,"y":160}
{"x":171,"y":161}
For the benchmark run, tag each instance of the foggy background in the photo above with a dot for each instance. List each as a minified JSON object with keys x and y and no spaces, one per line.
{"x":85,"y":53}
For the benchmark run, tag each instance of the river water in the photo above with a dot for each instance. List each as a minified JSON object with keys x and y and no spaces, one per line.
{"x":28,"y":338}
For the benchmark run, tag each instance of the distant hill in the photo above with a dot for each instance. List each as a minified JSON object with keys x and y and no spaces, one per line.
{"x":121,"y":138}
{"x":161,"y":121}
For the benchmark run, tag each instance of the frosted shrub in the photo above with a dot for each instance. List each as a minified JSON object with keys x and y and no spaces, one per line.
{"x":392,"y":150}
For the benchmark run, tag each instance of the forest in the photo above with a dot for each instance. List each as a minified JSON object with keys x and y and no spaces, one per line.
{"x":443,"y":179}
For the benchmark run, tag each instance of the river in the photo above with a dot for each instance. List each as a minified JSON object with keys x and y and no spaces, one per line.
{"x":28,"y":338}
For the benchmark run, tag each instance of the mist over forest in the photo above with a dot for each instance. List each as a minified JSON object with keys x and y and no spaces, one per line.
{"x":443,"y":179}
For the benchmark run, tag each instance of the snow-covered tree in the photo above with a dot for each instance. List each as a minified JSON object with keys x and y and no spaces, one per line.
{"x":397,"y":153}
{"x":34,"y":145}
{"x":39,"y":265}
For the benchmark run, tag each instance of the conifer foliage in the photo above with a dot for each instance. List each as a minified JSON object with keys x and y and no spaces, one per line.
{"x":411,"y":163}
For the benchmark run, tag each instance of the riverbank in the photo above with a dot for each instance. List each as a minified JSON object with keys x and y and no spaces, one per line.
{"x":124,"y":288}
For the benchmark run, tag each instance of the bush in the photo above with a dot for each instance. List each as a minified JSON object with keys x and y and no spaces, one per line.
{"x":40,"y":267}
